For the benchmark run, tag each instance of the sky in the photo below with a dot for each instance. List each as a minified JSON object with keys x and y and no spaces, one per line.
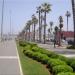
{"x":22,"y":10}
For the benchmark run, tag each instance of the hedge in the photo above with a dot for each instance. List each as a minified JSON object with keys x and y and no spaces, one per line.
{"x":66,"y":73}
{"x":71,"y":47}
{"x":28,"y":53}
{"x":37,"y":56}
{"x":73,"y":65}
{"x":54,"y":62}
{"x":61,"y":68}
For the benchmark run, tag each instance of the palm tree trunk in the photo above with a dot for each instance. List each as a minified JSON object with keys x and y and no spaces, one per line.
{"x":67,"y":23}
{"x":45,"y":28}
{"x":39,"y":28}
{"x":34,"y":34}
{"x":29,"y":33}
{"x":73,"y":8}
{"x":26,"y":35}
{"x":60,"y":37}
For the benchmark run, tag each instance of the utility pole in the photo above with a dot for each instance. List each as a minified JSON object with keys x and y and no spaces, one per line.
{"x":67,"y":15}
{"x":73,"y":9}
{"x":2,"y":20}
{"x":10,"y":24}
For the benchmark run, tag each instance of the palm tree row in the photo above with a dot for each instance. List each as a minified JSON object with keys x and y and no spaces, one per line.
{"x":42,"y":17}
{"x":41,"y":10}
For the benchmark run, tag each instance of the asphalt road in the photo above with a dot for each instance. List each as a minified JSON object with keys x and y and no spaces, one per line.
{"x":59,"y":50}
{"x":9,"y":60}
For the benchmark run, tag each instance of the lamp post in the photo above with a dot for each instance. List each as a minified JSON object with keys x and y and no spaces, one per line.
{"x":73,"y":9}
{"x":67,"y":15}
{"x":2,"y":20}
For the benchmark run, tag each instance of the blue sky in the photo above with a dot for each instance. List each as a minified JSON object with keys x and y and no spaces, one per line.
{"x":22,"y":10}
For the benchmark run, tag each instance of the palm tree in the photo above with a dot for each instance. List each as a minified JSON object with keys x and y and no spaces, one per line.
{"x":45,"y":8}
{"x":67,"y":15}
{"x":29,"y":23}
{"x":51,"y":24}
{"x":27,"y":28}
{"x":48,"y":32}
{"x":73,"y":8}
{"x":60,"y":26}
{"x":56,"y":33}
{"x":39,"y":12}
{"x":34,"y":21}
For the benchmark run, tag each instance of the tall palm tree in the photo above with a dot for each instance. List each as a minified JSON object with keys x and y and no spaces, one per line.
{"x":34,"y":21}
{"x":67,"y":15}
{"x":25,"y":33}
{"x":27,"y":28}
{"x":73,"y":8}
{"x":51,"y":24}
{"x":45,"y":8}
{"x":48,"y":32}
{"x":39,"y":12}
{"x":29,"y":23}
{"x":56,"y":33}
{"x":60,"y":26}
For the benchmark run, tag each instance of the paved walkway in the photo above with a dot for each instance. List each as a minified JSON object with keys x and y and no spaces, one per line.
{"x":59,"y":50}
{"x":9,"y":59}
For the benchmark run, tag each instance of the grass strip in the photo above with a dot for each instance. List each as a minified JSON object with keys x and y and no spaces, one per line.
{"x":30,"y":66}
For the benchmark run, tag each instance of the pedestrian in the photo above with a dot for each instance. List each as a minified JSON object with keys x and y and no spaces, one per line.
{"x":54,"y":43}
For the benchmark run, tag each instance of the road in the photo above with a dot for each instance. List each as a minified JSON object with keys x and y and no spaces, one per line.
{"x":59,"y":50}
{"x":9,"y":59}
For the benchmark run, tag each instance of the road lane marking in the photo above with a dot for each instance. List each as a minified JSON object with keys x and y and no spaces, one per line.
{"x":21,"y":72}
{"x":8,"y":57}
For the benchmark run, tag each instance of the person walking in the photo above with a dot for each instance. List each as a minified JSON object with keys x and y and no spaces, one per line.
{"x":54,"y":43}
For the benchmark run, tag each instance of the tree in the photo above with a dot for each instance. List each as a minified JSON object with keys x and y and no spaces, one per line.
{"x":73,"y":8}
{"x":56,"y":33}
{"x":39,"y":12}
{"x":29,"y":23}
{"x":67,"y":15}
{"x":45,"y":8}
{"x":48,"y":32}
{"x":60,"y":28}
{"x":34,"y":21}
{"x":51,"y":24}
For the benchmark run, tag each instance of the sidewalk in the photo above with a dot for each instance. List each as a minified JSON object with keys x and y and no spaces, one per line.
{"x":59,"y":50}
{"x":9,"y":60}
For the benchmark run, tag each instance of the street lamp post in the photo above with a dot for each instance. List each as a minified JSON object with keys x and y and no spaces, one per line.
{"x":2,"y":20}
{"x":73,"y":8}
{"x":67,"y":15}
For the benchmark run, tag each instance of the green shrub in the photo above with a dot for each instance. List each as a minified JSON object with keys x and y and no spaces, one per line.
{"x":53,"y":55}
{"x":45,"y":59}
{"x":66,"y":73}
{"x":72,"y":64}
{"x":41,"y":57}
{"x":61,"y":68}
{"x":35,"y":49}
{"x":28,"y":47}
{"x":63,"y":58}
{"x":54,"y":62}
{"x":22,"y":43}
{"x":71,"y":47}
{"x":28,"y":53}
{"x":33,"y":44}
{"x":37,"y":56}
